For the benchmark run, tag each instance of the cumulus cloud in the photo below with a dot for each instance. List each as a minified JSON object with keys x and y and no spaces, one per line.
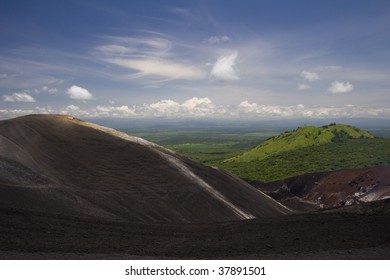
{"x":195,"y":102}
{"x":223,"y":68}
{"x":79,"y":93}
{"x":340,"y":87}
{"x":115,"y":112}
{"x":303,"y":87}
{"x":166,"y":106}
{"x":72,"y":108}
{"x":247,"y":106}
{"x":310,"y":76}
{"x":193,"y":107}
{"x":218,"y":39}
{"x":18,"y":97}
{"x":205,"y":108}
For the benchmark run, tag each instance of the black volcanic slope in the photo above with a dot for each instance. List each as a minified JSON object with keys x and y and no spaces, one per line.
{"x":73,"y":190}
{"x":60,"y":165}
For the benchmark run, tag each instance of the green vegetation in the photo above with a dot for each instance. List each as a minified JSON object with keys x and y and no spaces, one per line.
{"x":310,"y":149}
{"x":304,"y":150}
{"x":301,"y":138}
{"x":207,"y":146}
{"x":350,"y":154}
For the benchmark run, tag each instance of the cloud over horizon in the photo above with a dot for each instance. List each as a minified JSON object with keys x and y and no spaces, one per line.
{"x":204,"y":108}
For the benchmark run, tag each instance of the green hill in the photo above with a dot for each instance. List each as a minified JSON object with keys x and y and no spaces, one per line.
{"x":310,"y":149}
{"x":300,"y":138}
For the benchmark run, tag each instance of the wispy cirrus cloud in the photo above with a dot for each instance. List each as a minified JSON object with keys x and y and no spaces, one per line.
{"x":218,"y":39}
{"x":150,"y":57}
{"x":159,"y":68}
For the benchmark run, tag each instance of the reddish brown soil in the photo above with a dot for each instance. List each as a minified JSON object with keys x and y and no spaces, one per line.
{"x":331,"y":189}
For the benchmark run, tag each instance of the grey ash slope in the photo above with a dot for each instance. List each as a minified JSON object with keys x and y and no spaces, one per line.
{"x":59,"y":164}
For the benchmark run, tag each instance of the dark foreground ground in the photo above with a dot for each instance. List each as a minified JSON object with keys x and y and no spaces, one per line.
{"x":357,"y":232}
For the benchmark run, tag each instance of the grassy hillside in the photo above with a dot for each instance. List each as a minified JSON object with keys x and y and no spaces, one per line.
{"x":350,"y":154}
{"x":304,"y":150}
{"x":300,"y":138}
{"x":310,"y":149}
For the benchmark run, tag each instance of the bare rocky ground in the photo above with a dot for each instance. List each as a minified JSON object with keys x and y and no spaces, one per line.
{"x":347,"y":233}
{"x":330,"y":189}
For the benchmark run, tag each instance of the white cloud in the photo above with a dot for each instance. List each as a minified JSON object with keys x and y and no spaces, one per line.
{"x":166,"y":106}
{"x":49,"y":90}
{"x":340,"y":87}
{"x":79,"y":93}
{"x":115,"y":112}
{"x":198,"y":107}
{"x":205,"y":108}
{"x":194,"y":107}
{"x":72,"y":108}
{"x":223,"y":69}
{"x":246,"y":106}
{"x":218,"y":39}
{"x":195,"y":102}
{"x":303,"y":87}
{"x":18,"y":97}
{"x":310,"y":76}
{"x":43,"y":110}
{"x":160,"y":67}
{"x":3,"y":76}
{"x":150,"y":57}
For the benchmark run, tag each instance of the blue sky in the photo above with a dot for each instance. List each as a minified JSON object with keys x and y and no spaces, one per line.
{"x":195,"y":59}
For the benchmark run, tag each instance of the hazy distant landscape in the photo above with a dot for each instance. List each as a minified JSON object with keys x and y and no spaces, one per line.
{"x":213,"y":143}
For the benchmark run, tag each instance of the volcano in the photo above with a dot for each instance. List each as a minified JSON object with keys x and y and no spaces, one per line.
{"x":60,"y":164}
{"x":70,"y":189}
